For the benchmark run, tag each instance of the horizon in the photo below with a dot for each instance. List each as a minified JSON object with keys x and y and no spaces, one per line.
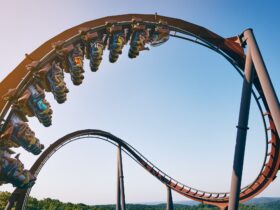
{"x":151,"y":203}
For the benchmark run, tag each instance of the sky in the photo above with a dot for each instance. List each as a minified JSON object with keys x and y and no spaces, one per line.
{"x":177,"y":104}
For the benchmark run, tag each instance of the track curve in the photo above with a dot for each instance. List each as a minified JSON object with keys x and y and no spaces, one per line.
{"x":230,"y":48}
{"x":218,"y":199}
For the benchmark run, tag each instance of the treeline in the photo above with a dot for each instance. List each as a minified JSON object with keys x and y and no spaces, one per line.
{"x":53,"y":204}
{"x":274,"y":205}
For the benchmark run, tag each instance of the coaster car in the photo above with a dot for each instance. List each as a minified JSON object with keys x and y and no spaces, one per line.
{"x":95,"y":54}
{"x":18,"y":131}
{"x":51,"y":78}
{"x":159,"y":36}
{"x":94,"y":45}
{"x":139,"y":38}
{"x":116,"y":42}
{"x":73,"y":61}
{"x":32,"y":102}
{"x":12,"y":171}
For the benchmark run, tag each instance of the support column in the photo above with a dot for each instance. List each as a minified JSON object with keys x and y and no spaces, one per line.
{"x":242,"y":128}
{"x":20,"y":199}
{"x":12,"y":200}
{"x":169,"y":203}
{"x":121,"y":194}
{"x":118,"y":203}
{"x":268,"y":90}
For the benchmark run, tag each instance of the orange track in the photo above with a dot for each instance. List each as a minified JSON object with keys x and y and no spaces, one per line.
{"x":230,"y":48}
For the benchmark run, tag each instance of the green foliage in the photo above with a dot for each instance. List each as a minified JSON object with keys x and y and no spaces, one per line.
{"x":53,"y":204}
{"x":249,"y":207}
{"x":4,"y":196}
{"x":274,"y":205}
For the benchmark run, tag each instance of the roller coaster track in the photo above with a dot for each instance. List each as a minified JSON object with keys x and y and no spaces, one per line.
{"x":195,"y":194}
{"x":230,"y":48}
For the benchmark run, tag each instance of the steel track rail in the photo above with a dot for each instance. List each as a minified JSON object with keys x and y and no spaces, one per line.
{"x":228,"y":48}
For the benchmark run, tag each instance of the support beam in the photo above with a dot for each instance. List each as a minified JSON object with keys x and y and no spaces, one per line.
{"x":118,"y":203}
{"x":242,"y":128}
{"x":268,"y":90}
{"x":169,"y":203}
{"x":120,"y":179}
{"x":11,"y":201}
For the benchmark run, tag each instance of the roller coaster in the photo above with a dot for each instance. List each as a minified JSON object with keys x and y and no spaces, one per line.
{"x":23,"y":92}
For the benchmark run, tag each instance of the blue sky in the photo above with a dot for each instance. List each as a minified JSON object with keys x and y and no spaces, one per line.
{"x":177,"y":104}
